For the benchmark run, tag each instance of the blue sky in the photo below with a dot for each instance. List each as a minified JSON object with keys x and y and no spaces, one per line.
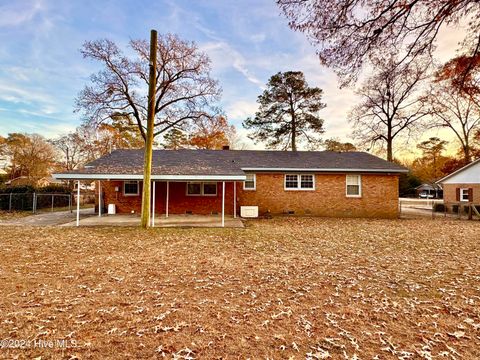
{"x":42,"y":70}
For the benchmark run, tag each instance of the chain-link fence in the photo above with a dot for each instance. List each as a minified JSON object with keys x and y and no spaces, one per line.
{"x":414,"y":208}
{"x":37,"y":202}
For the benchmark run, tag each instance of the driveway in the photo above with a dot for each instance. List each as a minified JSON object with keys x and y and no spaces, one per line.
{"x":49,"y":218}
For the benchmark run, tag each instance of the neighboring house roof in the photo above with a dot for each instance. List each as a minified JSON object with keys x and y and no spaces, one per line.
{"x":228,"y":164}
{"x":23,"y":180}
{"x":429,"y":187}
{"x":469,"y":174}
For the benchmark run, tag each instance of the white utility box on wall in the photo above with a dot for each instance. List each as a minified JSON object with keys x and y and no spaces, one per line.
{"x":249,"y":211}
{"x":111,"y":209}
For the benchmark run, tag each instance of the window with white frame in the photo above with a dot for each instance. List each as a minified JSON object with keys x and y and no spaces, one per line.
{"x":464,"y":195}
{"x":194,"y":188}
{"x":250,"y":182}
{"x":209,"y":189}
{"x":130,"y":188}
{"x":354,"y":185}
{"x":201,"y":189}
{"x":299,"y":182}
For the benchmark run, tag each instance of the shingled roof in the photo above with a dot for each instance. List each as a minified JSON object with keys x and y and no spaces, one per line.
{"x":232,"y":163}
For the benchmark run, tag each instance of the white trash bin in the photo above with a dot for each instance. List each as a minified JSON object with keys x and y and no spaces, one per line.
{"x":111,"y":209}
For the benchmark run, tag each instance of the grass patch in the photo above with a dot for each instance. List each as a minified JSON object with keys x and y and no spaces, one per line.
{"x":281,"y":288}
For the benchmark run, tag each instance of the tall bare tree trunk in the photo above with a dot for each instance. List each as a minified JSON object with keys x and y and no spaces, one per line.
{"x":389,"y":141}
{"x":147,"y":167}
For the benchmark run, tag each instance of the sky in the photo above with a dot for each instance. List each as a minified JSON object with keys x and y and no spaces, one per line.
{"x":42,"y":70}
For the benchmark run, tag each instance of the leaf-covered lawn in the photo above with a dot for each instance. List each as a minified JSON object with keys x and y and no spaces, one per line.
{"x":10,"y":215}
{"x":283,"y":288}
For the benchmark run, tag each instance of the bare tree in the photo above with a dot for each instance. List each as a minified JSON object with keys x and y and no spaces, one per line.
{"x":456,"y":110}
{"x":349,"y":33}
{"x":89,"y":142}
{"x":71,"y":148}
{"x":391,"y":105}
{"x":184,"y":88}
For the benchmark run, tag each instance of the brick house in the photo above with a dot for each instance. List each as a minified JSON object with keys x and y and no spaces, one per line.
{"x":463,"y":185}
{"x":350,"y":184}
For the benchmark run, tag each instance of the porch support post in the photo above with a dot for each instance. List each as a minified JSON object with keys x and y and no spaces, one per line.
{"x":166,"y":202}
{"x":153,"y":205}
{"x":99,"y":198}
{"x":223,"y":203}
{"x":78,"y":202}
{"x":234,"y":199}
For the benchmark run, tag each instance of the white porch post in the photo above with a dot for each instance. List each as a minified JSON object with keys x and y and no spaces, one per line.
{"x":78,"y":202}
{"x":99,"y":198}
{"x":234,"y":199}
{"x":166,"y":202}
{"x":153,"y":205}
{"x":223,"y":203}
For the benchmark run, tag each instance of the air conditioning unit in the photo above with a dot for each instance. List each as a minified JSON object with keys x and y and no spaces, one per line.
{"x":249,"y":211}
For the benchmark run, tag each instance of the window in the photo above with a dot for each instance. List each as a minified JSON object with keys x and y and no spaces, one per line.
{"x":249,"y":183}
{"x":299,"y":182}
{"x":201,"y":189}
{"x":306,"y":181}
{"x":130,"y":188}
{"x":464,"y":195}
{"x":354,"y":186}
{"x":194,"y":188}
{"x":209,"y":189}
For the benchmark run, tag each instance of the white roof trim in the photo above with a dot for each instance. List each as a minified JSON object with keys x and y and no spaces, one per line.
{"x":153,"y":177}
{"x":327,"y":170}
{"x":457,"y":171}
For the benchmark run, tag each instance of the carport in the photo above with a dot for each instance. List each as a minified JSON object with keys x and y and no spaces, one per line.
{"x":166,"y":218}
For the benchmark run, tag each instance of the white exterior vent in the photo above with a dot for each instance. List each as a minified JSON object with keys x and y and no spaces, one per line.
{"x":249,"y":211}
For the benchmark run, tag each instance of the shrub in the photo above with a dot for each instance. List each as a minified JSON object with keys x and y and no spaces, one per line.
{"x":438,"y":207}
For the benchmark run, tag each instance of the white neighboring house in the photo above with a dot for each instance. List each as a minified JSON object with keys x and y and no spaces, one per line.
{"x":462,"y":185}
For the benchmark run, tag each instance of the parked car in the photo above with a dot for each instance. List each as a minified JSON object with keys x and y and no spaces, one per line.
{"x":425,"y":195}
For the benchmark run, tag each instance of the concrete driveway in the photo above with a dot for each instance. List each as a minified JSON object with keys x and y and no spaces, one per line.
{"x":49,"y":218}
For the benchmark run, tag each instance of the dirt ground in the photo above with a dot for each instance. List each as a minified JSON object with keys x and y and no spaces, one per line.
{"x":287,"y":288}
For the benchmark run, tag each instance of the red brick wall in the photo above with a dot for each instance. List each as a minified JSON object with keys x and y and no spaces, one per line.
{"x":379,"y":197}
{"x":179,"y":202}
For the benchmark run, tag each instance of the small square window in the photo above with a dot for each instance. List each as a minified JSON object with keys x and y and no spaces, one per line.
{"x":210,"y":189}
{"x":291,"y":181}
{"x":354,"y":184}
{"x":194,"y":189}
{"x":130,"y":188}
{"x":306,"y":182}
{"x":249,"y":183}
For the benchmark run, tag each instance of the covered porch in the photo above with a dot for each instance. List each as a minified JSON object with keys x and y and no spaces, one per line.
{"x":176,"y":200}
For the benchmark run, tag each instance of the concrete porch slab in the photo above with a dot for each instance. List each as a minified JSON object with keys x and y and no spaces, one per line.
{"x":161,"y":221}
